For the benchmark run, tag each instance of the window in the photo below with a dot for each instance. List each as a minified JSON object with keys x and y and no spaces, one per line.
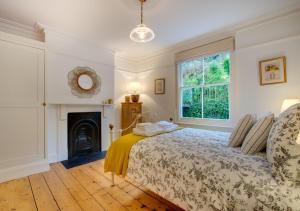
{"x":203,"y":87}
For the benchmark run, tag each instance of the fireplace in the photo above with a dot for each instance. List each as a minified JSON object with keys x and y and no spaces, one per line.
{"x":84,"y":133}
{"x":84,"y":138}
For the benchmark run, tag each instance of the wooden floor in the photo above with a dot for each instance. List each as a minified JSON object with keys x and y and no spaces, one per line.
{"x":85,"y":187}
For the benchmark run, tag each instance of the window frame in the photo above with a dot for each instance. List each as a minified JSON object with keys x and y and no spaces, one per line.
{"x":180,"y":87}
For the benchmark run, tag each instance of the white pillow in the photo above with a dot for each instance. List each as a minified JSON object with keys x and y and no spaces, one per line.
{"x":240,"y":131}
{"x":256,"y":139}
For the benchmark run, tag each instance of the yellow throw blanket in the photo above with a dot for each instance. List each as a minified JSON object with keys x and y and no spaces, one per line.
{"x":117,"y":156}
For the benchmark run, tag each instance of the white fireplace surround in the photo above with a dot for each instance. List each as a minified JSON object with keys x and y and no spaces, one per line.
{"x":65,"y":53}
{"x":58,"y":127}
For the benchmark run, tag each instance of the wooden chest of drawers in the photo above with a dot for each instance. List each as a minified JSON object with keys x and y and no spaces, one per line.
{"x":129,"y":113}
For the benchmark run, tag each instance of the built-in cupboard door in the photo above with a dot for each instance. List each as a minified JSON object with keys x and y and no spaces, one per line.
{"x":22,"y":125}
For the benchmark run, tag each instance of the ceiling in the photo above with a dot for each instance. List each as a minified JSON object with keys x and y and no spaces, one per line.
{"x":109,"y":22}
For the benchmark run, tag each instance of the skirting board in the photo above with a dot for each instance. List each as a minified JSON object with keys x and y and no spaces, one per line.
{"x":23,"y":170}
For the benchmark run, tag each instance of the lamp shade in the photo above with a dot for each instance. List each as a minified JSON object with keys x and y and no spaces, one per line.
{"x":142,"y":34}
{"x":134,"y":88}
{"x":288,"y":103}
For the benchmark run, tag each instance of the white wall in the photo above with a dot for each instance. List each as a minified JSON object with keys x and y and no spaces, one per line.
{"x":125,"y":73}
{"x":274,"y":39}
{"x":64,"y":53}
{"x":162,"y":105}
{"x":122,"y":79}
{"x":278,"y":37}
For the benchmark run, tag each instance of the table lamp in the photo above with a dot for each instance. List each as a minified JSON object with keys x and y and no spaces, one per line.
{"x":134,"y":90}
{"x":288,"y":103}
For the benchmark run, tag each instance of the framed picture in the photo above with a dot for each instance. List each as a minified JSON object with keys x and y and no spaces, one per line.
{"x":159,"y":87}
{"x":272,"y":71}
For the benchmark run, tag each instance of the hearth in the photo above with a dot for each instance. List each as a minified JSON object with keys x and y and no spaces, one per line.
{"x":84,"y":138}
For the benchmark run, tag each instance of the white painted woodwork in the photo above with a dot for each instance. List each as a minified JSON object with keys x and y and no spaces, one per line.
{"x":58,"y":127}
{"x":22,"y":115}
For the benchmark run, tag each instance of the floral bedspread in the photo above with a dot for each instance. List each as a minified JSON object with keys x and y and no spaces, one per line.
{"x":196,"y":170}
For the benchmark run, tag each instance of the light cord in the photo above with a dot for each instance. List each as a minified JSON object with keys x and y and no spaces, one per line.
{"x":142,"y":12}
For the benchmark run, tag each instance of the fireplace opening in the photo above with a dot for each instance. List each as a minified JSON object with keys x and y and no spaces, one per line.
{"x":84,"y":138}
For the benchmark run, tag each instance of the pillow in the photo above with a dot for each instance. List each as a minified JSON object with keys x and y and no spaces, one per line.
{"x":256,"y":139}
{"x":283,"y":151}
{"x":240,"y":131}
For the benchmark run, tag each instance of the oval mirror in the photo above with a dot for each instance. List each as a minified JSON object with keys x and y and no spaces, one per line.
{"x":85,"y":82}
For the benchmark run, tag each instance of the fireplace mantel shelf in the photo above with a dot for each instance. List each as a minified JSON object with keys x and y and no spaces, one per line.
{"x":63,"y":105}
{"x":78,"y":103}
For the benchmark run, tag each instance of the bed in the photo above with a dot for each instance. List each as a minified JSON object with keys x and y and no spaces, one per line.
{"x":196,"y":170}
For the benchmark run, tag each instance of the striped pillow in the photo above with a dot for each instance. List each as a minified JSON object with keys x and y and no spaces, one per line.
{"x":240,"y":131}
{"x":256,"y":139}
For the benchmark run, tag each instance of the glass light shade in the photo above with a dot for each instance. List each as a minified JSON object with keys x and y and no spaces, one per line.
{"x":142,"y":34}
{"x":288,"y":103}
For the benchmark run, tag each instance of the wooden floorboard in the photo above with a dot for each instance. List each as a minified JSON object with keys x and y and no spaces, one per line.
{"x":42,"y":195}
{"x":60,"y":192}
{"x":17,"y":195}
{"x":85,"y":187}
{"x":84,"y":199}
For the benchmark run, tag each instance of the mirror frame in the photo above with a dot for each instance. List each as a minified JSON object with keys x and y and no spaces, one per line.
{"x":79,"y":91}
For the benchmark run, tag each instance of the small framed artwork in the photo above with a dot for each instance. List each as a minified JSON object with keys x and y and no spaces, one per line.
{"x":159,"y":86}
{"x":272,"y":71}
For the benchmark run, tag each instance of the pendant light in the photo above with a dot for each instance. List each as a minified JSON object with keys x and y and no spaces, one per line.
{"x":142,"y":33}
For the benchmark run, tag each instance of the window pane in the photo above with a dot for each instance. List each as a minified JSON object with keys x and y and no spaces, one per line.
{"x":191,"y":102}
{"x":191,"y":73}
{"x":217,"y":68}
{"x":216,"y":103}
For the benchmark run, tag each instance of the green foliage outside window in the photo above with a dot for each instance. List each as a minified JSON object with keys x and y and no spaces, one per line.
{"x":192,"y":103}
{"x":206,"y":79}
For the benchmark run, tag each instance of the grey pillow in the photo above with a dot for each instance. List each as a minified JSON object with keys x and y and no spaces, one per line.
{"x":283,"y":151}
{"x":256,"y":139}
{"x":240,"y":131}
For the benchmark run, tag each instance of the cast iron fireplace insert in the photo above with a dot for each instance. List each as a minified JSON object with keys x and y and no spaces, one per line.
{"x":84,"y":138}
